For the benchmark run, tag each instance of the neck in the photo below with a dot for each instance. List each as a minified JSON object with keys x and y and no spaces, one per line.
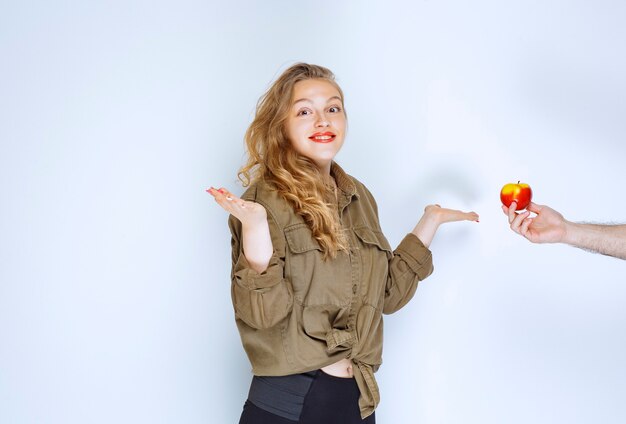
{"x":325,"y":170}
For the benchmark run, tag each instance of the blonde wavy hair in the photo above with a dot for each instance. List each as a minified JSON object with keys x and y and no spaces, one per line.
{"x":296,"y":178}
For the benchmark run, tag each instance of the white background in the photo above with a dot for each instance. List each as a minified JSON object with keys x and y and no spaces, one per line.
{"x":114,"y":262}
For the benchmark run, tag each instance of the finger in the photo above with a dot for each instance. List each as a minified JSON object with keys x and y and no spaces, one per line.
{"x":533,"y":207}
{"x":517,"y":221}
{"x":453,"y":215}
{"x":236,"y":203}
{"x":469,"y":216}
{"x":224,"y":198}
{"x":219,"y":198}
{"x":512,"y":213}
{"x":216,"y":192}
{"x":525,"y":225}
{"x":227,"y":195}
{"x":505,"y":210}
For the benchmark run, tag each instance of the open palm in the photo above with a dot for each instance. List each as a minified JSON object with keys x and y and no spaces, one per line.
{"x":245,"y":211}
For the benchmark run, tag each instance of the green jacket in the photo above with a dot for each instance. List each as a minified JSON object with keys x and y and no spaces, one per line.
{"x":303,"y":313}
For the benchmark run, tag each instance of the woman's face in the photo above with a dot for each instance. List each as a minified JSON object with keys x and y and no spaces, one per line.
{"x":316,"y":123}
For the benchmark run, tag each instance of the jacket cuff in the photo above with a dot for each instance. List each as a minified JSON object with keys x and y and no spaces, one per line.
{"x":417,"y":256}
{"x":252,"y":280}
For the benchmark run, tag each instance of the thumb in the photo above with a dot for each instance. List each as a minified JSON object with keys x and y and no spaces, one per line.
{"x":534,"y":207}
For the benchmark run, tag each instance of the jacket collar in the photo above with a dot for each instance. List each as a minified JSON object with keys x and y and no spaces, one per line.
{"x":343,"y":180}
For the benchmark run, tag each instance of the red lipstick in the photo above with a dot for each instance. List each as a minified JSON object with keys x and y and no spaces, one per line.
{"x":322,"y":137}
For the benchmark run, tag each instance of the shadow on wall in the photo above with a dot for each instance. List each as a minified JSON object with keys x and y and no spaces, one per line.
{"x":451,"y":187}
{"x":448,"y":183}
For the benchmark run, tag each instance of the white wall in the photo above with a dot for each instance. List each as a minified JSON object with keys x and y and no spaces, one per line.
{"x":114,"y":262}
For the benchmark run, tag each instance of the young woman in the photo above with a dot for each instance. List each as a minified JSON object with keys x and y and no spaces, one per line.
{"x":312,"y":272}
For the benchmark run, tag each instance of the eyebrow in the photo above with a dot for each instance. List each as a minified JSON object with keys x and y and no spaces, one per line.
{"x":310,"y":101}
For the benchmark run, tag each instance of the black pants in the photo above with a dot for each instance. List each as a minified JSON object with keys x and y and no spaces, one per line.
{"x":330,"y":400}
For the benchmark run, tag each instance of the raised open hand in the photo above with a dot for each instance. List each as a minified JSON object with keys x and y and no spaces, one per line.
{"x":434,"y":216}
{"x":249,"y":213}
{"x":444,"y":215}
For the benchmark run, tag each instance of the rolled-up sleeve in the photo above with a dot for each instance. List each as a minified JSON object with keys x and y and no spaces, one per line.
{"x":411,"y":263}
{"x":261,"y":300}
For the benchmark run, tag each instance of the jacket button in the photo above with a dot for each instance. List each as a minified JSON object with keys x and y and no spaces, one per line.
{"x":354,"y":289}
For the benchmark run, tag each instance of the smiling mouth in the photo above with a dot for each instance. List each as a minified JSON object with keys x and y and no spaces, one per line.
{"x":322,"y":138}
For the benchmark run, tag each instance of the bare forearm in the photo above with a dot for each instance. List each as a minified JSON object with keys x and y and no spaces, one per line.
{"x":256,"y":241}
{"x":257,"y":245}
{"x":605,"y":239}
{"x":426,"y":228}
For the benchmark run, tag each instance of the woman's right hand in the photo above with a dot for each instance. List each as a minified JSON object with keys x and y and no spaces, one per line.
{"x":257,"y":241}
{"x":249,"y":213}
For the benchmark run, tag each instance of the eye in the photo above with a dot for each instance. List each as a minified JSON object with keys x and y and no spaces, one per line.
{"x":303,"y":112}
{"x":334,"y":109}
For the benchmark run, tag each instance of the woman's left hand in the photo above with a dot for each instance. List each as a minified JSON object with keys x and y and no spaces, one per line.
{"x":434,"y":216}
{"x":443,"y":215}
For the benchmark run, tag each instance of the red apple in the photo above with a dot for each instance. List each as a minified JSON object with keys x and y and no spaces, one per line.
{"x":519,"y":193}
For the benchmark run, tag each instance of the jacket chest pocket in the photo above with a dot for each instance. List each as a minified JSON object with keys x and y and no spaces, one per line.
{"x":315,"y":281}
{"x":374,"y":238}
{"x":375,"y":256}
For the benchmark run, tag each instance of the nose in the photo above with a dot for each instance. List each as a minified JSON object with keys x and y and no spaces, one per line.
{"x":322,"y":121}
